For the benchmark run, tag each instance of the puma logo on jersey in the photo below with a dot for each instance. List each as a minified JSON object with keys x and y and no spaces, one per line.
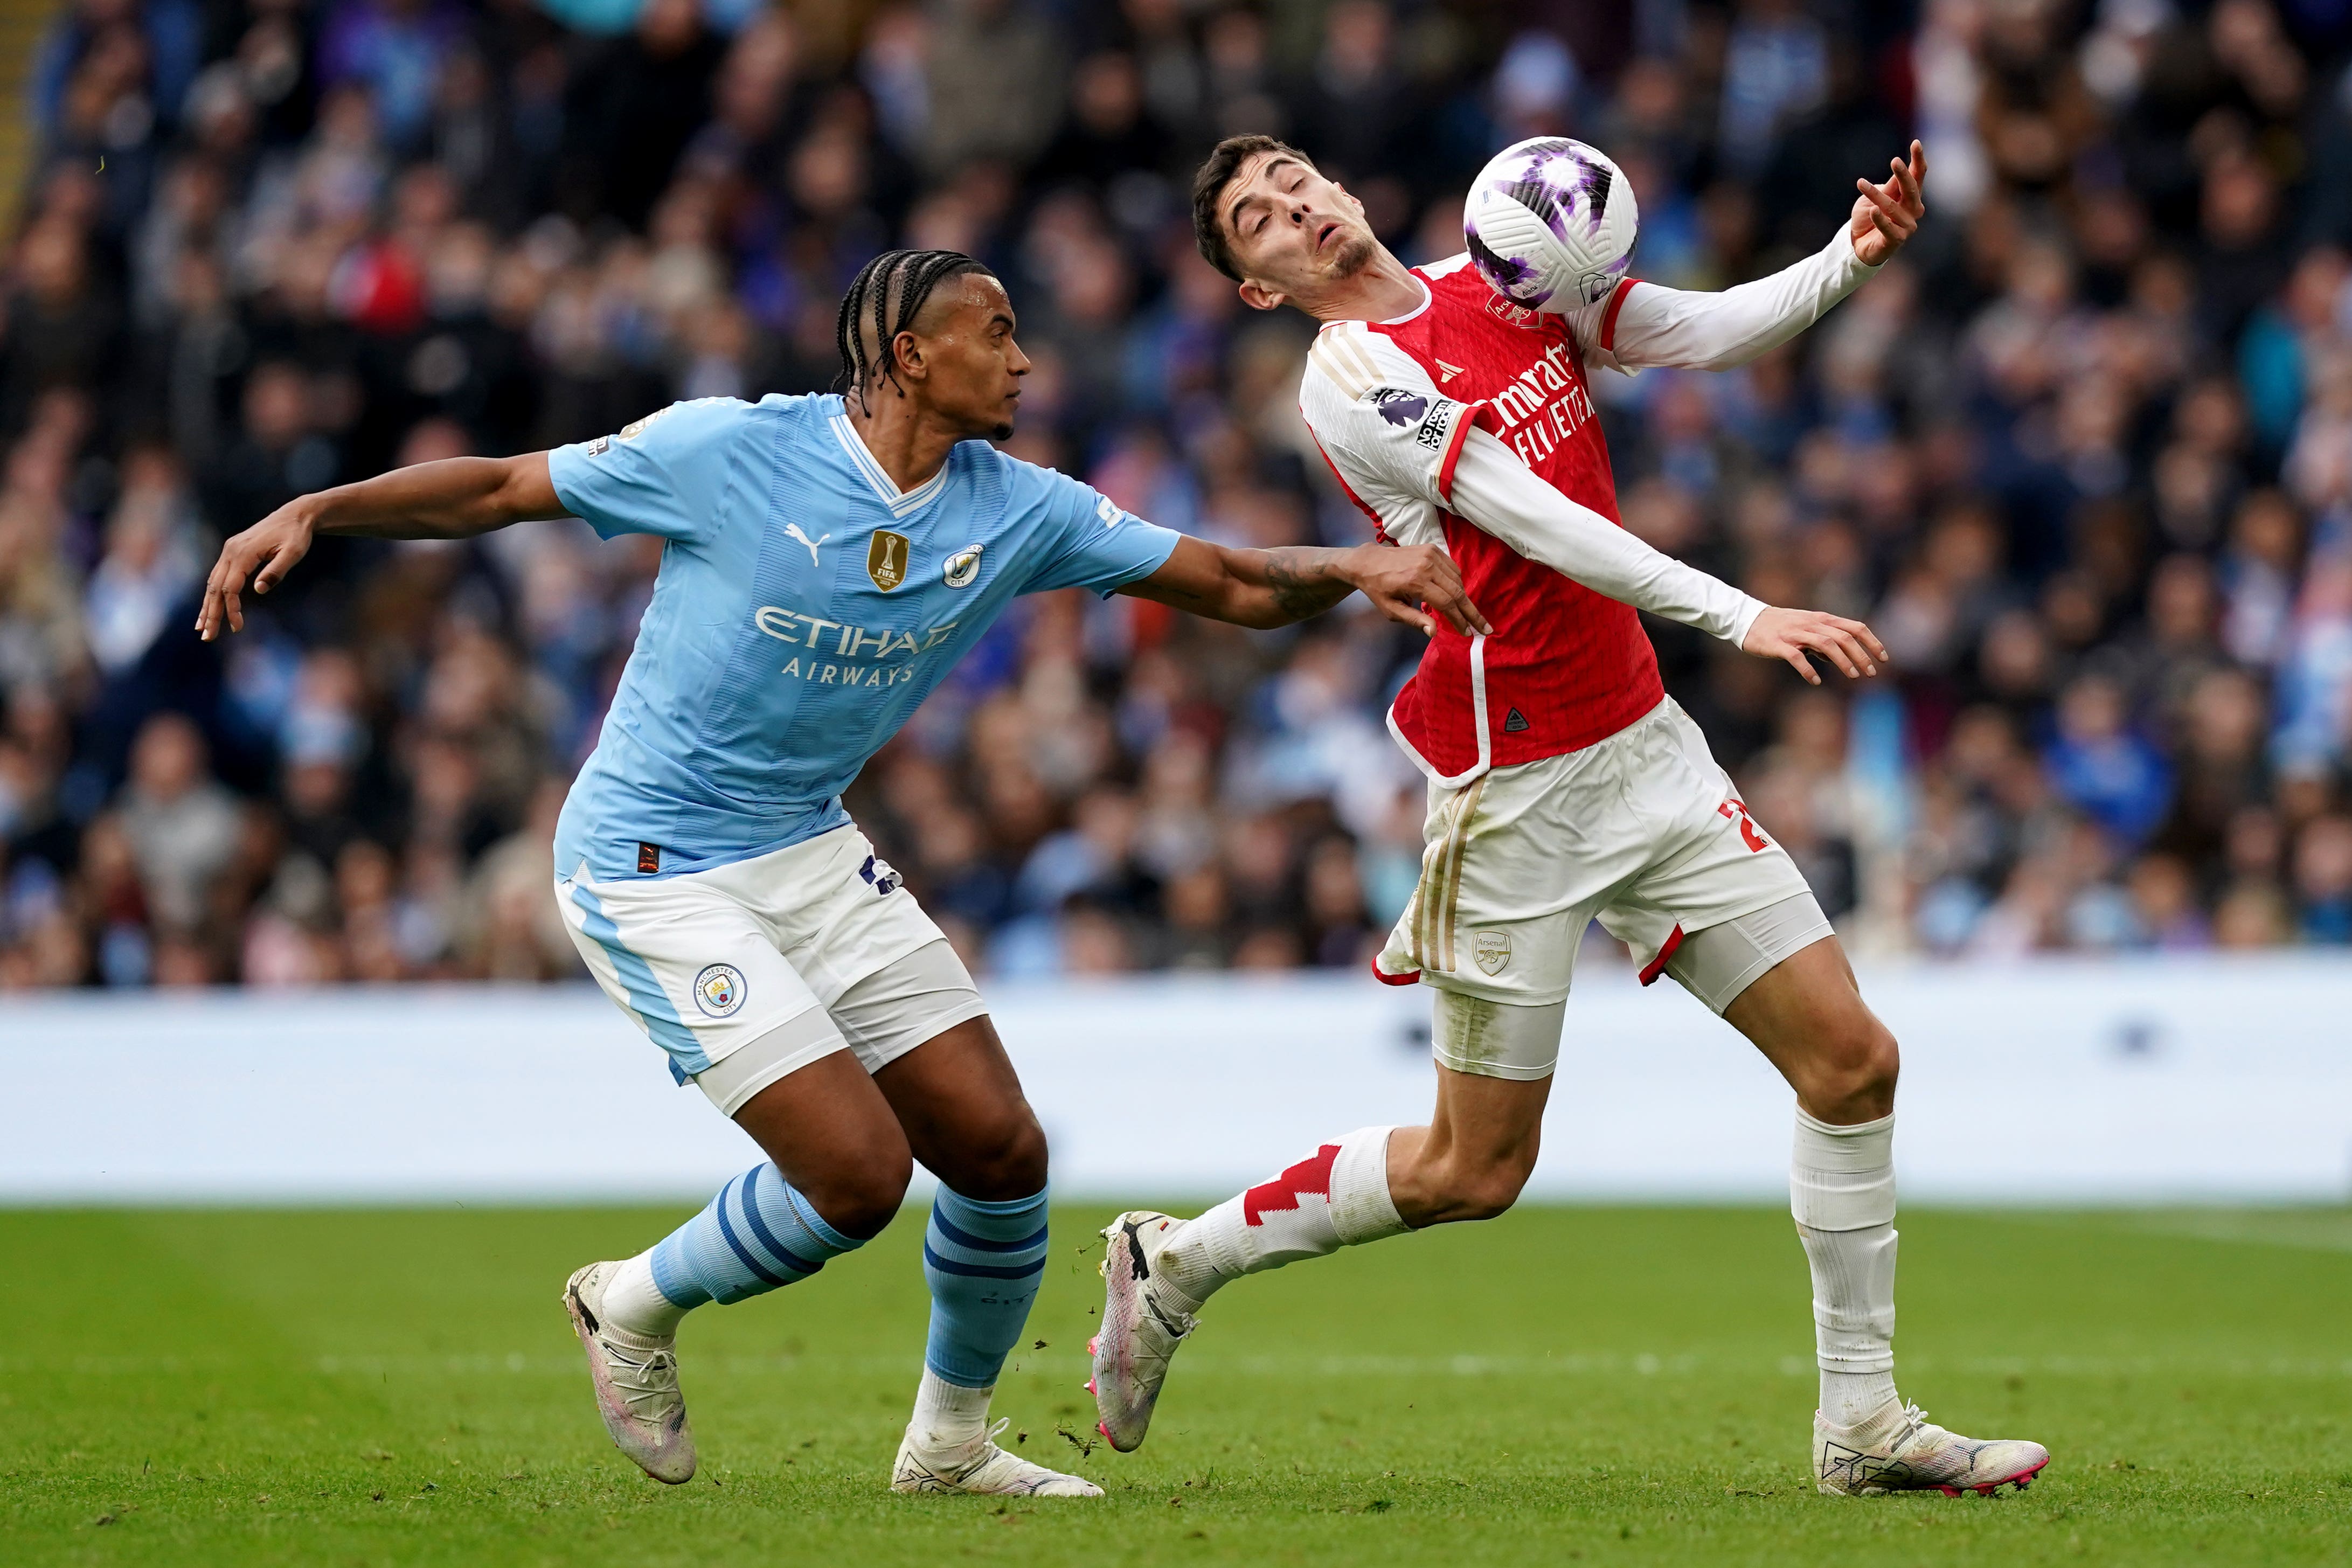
{"x":793,"y":530}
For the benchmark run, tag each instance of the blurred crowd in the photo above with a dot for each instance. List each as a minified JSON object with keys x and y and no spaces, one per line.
{"x":2083,"y":455}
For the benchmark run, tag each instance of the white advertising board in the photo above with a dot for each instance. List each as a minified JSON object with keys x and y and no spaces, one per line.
{"x":2045,"y":1083}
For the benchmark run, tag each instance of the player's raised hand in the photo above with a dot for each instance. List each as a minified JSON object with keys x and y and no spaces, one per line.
{"x":1789,"y":634}
{"x":1886,"y":215}
{"x":1402,"y":579}
{"x":263,"y":553}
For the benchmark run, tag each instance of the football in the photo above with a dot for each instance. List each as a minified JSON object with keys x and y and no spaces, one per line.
{"x":1550,"y":223}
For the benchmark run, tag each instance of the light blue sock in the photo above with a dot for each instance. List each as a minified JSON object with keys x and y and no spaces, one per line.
{"x":757,"y":1234}
{"x":983,"y":1262}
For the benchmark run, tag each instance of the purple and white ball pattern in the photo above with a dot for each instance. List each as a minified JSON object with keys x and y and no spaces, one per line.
{"x":1550,"y":223}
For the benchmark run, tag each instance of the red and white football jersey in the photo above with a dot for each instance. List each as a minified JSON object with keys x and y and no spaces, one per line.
{"x":1390,"y":404}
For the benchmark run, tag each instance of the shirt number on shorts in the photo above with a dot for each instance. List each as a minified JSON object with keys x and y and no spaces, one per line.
{"x":1737,"y":810}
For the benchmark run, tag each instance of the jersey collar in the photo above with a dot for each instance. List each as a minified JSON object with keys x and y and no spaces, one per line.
{"x":902,"y":503}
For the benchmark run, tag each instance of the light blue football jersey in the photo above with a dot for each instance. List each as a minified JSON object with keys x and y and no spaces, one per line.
{"x":804,"y":609}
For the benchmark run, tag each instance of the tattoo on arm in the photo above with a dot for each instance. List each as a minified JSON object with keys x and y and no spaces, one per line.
{"x":1303,"y":582}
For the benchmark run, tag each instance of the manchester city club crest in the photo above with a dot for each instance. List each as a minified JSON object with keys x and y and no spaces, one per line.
{"x":961,"y":567}
{"x":886,"y":558}
{"x":719,"y":990}
{"x":1492,"y":951}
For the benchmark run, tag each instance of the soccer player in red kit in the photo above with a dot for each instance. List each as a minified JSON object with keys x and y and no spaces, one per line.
{"x":1564,"y":785}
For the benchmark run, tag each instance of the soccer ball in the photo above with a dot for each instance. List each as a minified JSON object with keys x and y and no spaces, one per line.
{"x":1550,"y":223}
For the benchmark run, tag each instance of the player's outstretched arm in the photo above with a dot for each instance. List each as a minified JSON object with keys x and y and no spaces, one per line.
{"x":1267,"y":588}
{"x":1494,"y":491}
{"x":1654,"y":325}
{"x":454,"y":498}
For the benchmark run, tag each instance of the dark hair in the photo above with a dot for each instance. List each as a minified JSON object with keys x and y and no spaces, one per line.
{"x":886,"y":296}
{"x":1225,"y":161}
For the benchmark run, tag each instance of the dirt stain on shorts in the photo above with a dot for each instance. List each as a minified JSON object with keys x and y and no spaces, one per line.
{"x":1468,"y":1027}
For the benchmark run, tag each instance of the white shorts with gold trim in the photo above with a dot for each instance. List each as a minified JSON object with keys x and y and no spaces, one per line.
{"x":1643,"y":831}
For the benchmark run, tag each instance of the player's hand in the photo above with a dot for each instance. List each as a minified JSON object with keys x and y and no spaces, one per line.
{"x":1791,"y":634}
{"x":1403,"y":579}
{"x":263,"y":553}
{"x":1886,"y":215}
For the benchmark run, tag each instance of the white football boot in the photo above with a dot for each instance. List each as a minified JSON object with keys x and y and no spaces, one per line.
{"x":1901,"y":1450}
{"x":1139,"y":1331}
{"x":635,"y":1378}
{"x":981,"y":1467}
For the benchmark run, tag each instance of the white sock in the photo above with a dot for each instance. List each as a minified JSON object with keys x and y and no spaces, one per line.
{"x":634,"y":1302}
{"x":1339,"y":1197}
{"x":947,"y":1414}
{"x":1841,"y":1192}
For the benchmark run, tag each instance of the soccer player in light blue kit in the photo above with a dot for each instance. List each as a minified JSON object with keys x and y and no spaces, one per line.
{"x":827,"y":560}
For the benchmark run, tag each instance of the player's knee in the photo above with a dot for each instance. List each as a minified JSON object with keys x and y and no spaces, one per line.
{"x":861,"y":1200}
{"x":1859,"y":1063}
{"x":1003,"y":1156}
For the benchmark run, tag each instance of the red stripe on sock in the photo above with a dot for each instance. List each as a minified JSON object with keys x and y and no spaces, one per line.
{"x":1309,"y":1176}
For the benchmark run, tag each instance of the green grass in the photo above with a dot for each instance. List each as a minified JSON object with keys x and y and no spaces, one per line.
{"x":1593,"y":1385}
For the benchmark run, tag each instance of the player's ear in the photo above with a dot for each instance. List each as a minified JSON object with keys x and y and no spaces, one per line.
{"x":910,"y":350}
{"x":1258,"y":296}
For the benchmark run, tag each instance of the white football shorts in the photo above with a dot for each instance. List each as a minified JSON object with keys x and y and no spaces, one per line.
{"x":785,"y":958}
{"x":1643,"y":831}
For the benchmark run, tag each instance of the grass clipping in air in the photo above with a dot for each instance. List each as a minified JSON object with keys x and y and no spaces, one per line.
{"x":1596,"y":1385}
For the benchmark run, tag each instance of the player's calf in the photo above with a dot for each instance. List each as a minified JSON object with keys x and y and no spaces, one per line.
{"x":1494,"y":1066}
{"x":1439,"y":1181}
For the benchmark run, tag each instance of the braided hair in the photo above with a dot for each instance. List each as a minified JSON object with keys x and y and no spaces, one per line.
{"x":883,"y":300}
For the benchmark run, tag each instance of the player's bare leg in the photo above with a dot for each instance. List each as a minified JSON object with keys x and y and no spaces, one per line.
{"x":1470,"y":1162}
{"x":960,"y":1104}
{"x":1807,"y":1015}
{"x":1476,"y":1155}
{"x":840,"y":1170}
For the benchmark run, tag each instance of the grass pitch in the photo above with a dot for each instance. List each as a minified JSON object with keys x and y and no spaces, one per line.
{"x":1593,"y":1385}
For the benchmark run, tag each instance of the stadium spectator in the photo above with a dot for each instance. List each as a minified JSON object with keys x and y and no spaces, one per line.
{"x":2084,"y":459}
